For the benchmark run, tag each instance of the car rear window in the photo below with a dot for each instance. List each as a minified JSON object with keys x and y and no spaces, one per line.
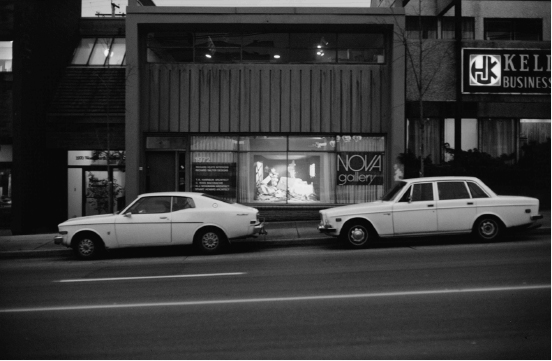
{"x":476,"y":191}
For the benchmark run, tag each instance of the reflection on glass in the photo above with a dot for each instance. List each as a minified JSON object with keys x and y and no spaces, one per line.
{"x":118,"y":49}
{"x":311,"y":143}
{"x":97,"y":192}
{"x":100,"y":52}
{"x":6,"y":55}
{"x":82,"y":53}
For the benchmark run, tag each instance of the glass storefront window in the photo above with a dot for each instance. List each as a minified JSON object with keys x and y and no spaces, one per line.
{"x":6,"y":56}
{"x":214,"y":173}
{"x":263,"y":143}
{"x":82,"y":53}
{"x":312,"y":143}
{"x":165,"y":143}
{"x":214,"y":143}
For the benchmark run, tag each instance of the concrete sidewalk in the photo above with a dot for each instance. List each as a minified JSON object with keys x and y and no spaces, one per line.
{"x":280,"y":233}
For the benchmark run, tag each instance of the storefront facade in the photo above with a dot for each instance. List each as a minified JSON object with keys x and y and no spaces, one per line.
{"x":292,"y":109}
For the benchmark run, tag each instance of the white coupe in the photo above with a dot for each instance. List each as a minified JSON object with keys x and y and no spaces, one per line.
{"x":430,"y":206}
{"x":156,"y":219}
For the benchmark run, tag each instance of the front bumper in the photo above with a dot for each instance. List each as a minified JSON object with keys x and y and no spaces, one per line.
{"x":326,"y":229}
{"x":58,"y":239}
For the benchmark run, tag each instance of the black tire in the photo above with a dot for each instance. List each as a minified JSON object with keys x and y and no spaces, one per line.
{"x":488,"y":228}
{"x":210,"y":241}
{"x":358,"y":234}
{"x":88,"y":246}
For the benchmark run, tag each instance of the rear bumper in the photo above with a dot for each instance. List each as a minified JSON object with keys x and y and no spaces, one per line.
{"x":537,"y":217}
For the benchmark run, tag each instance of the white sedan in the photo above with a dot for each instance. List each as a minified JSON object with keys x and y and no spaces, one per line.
{"x":158,"y":219}
{"x":430,"y":206}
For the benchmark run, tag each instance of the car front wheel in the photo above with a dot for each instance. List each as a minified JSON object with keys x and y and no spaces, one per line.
{"x":358,"y":234}
{"x":87,"y":246}
{"x":210,"y":241}
{"x":488,"y":229}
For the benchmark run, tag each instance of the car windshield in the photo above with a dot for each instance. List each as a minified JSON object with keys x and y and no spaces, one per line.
{"x":216,"y":198}
{"x":393,"y":191}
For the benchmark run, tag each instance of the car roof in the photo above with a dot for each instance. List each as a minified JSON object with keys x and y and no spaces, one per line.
{"x":171,"y":194}
{"x":443,"y":178}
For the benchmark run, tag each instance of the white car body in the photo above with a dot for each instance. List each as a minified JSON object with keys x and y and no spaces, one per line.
{"x":434,"y":213}
{"x":170,"y":226}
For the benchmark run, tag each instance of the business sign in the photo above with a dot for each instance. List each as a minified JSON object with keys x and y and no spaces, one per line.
{"x":359,"y":168}
{"x":217,"y":179}
{"x":506,"y":71}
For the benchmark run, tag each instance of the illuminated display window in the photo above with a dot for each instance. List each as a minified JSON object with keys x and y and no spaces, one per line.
{"x":6,"y":56}
{"x":100,"y":52}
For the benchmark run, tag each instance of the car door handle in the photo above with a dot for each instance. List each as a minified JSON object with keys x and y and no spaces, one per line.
{"x":430,"y":205}
{"x":163,"y":217}
{"x":470,"y":203}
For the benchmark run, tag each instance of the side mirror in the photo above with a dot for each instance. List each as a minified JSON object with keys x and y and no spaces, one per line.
{"x":128,"y":215}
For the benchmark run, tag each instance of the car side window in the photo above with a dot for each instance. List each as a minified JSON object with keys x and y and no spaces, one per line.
{"x":418,"y":193}
{"x":452,"y":190}
{"x":476,"y":191}
{"x":406,"y":195}
{"x":149,"y":205}
{"x":180,"y":203}
{"x":422,"y":192}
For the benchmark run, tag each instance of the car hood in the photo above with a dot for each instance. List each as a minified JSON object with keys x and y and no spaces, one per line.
{"x":101,"y":218}
{"x":371,"y":207}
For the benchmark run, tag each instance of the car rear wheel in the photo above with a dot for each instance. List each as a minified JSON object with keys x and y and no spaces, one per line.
{"x":358,"y":234}
{"x":210,"y":241}
{"x":488,"y":228}
{"x":87,"y":246}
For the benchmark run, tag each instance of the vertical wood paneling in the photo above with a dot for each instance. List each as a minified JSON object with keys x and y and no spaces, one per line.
{"x":255,"y":100}
{"x":235,"y":99}
{"x":214,"y":100}
{"x":295,"y":93}
{"x":285,"y":108}
{"x":305,"y":99}
{"x":204,"y":98}
{"x":365,"y":94}
{"x":315,"y":101}
{"x":245,"y":91}
{"x":154,"y":101}
{"x":275,"y":99}
{"x":184,"y":120}
{"x":164,"y":99}
{"x":174,"y":96}
{"x":326,"y":97}
{"x":224,"y":108}
{"x":194,"y":99}
{"x":335,"y":100}
{"x":266,"y":98}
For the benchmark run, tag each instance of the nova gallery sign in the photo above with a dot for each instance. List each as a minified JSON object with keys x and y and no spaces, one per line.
{"x":506,"y":71}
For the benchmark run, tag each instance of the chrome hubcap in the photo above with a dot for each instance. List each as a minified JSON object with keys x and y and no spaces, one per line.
{"x":86,"y":247}
{"x":210,"y":240}
{"x":357,"y":234}
{"x":488,"y":228}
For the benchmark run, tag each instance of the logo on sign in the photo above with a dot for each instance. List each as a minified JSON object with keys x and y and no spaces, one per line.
{"x":485,"y":70}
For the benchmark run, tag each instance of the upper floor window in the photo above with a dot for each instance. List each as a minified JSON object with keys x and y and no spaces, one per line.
{"x":261,"y":47}
{"x":427,"y":25}
{"x":101,"y":52}
{"x":6,"y":55}
{"x":448,"y":28}
{"x":513,"y":29}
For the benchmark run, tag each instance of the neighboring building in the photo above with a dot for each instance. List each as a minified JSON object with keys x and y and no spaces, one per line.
{"x":288,"y":109}
{"x":509,"y":106}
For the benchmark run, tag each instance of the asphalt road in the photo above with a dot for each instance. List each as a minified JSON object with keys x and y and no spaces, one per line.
{"x":410,"y":300}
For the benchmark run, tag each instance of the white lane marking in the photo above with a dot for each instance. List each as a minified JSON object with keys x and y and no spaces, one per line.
{"x":150,"y":277}
{"x":275,"y":299}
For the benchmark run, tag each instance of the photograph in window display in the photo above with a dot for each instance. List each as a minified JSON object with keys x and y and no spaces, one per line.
{"x":273,"y":187}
